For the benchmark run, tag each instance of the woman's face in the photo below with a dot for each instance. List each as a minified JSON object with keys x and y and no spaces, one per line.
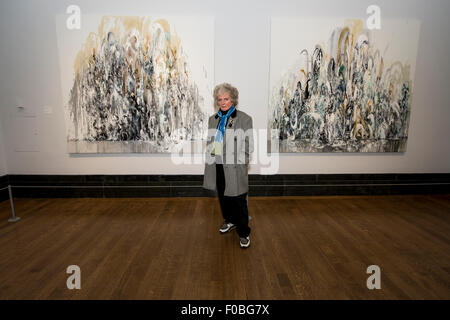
{"x":224,"y":101}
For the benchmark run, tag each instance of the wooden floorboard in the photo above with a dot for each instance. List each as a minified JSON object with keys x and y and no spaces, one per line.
{"x":170,"y":248}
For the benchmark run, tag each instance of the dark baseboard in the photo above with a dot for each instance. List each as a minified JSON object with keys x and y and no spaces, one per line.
{"x":4,"y":194}
{"x":350,"y":184}
{"x":135,"y":186}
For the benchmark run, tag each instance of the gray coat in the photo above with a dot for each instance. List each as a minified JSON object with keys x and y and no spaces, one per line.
{"x":237,"y":148}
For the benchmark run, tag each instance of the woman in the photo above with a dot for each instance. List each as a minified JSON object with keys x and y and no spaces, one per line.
{"x":229,"y":145}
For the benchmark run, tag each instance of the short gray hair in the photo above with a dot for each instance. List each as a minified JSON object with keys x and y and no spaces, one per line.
{"x":226,"y":88}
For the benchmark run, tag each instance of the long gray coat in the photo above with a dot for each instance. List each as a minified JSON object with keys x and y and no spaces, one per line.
{"x":237,"y":148}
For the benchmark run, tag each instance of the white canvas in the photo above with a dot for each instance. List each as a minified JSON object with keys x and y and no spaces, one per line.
{"x":315,"y":115}
{"x":153,"y":92}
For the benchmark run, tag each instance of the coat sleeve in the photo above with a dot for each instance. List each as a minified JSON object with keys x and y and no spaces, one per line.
{"x":209,"y":176}
{"x":249,"y":141}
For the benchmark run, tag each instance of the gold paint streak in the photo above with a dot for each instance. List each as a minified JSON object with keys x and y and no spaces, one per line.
{"x":164,"y":24}
{"x":357,"y":30}
{"x":343,"y":33}
{"x":369,"y":106}
{"x":380,"y":69}
{"x":131,"y":23}
{"x":86,"y":53}
{"x":138,"y":70}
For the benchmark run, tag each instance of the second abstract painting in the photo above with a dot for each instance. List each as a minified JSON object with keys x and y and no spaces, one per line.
{"x":336,"y":86}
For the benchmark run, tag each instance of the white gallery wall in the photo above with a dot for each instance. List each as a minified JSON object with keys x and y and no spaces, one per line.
{"x":3,"y":167}
{"x":32,"y":116}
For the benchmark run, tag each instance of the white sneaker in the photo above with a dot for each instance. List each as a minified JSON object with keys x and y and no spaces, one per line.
{"x":245,"y":242}
{"x":227,"y":226}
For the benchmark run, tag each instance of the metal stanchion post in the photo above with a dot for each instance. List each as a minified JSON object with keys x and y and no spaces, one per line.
{"x":14,"y":218}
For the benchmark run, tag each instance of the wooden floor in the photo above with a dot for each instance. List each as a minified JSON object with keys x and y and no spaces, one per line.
{"x":170,"y":248}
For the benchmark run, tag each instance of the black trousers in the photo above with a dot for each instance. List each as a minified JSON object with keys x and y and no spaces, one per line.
{"x":234,"y":209}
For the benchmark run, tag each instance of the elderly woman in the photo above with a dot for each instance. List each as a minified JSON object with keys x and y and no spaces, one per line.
{"x":229,"y":145}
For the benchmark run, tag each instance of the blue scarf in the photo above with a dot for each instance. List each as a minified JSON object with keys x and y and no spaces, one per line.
{"x":220,"y":133}
{"x":223,"y":121}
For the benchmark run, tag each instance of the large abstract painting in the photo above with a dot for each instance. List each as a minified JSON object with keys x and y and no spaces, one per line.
{"x":337,"y":87}
{"x":136,"y":84}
